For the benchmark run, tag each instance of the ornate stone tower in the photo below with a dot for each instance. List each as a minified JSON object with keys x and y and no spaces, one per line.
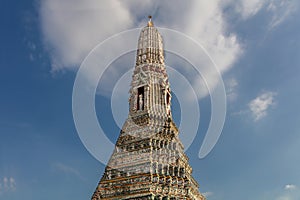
{"x":148,"y":161}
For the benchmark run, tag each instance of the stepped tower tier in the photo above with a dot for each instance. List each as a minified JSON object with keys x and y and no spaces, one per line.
{"x":148,"y":161}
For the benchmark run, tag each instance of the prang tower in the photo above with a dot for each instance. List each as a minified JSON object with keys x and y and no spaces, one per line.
{"x":148,"y":161}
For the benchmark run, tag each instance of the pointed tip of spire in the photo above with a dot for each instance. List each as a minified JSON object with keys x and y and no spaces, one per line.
{"x":150,"y":23}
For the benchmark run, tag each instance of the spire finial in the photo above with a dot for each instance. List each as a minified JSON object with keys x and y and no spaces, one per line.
{"x":150,"y":23}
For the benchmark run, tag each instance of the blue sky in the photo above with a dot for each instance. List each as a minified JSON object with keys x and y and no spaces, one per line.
{"x":255,"y":46}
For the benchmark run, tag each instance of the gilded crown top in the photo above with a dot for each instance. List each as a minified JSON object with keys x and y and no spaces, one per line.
{"x":150,"y":23}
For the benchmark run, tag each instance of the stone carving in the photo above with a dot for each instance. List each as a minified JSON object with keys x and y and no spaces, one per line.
{"x":141,"y":102}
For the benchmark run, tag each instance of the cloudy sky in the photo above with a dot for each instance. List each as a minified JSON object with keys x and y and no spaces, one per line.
{"x":254,"y":44}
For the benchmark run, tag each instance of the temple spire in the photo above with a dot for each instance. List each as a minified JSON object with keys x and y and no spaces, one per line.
{"x":148,"y":161}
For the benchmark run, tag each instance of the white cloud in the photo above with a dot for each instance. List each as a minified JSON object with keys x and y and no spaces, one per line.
{"x":231,"y":89}
{"x":205,"y":23}
{"x":290,"y":187}
{"x":7,"y":184}
{"x":285,"y":197}
{"x":281,"y":10}
{"x":207,"y":194}
{"x":250,"y":8}
{"x":291,"y":193}
{"x":67,"y":169}
{"x":12,"y":184}
{"x":71,"y":28}
{"x":260,"y":105}
{"x":32,"y":49}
